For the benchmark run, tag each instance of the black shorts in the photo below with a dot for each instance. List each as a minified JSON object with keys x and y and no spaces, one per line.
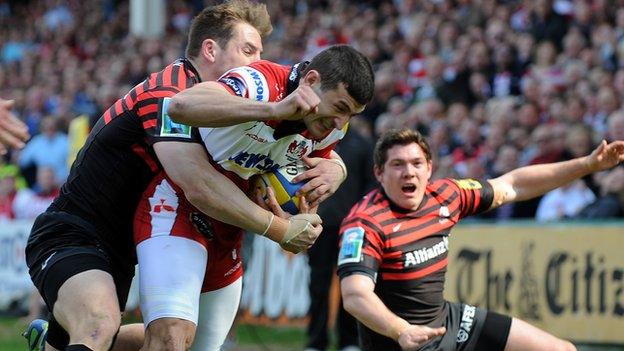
{"x":62,"y":245}
{"x":470,"y":328}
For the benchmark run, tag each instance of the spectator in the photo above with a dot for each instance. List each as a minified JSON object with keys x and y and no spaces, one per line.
{"x":48,"y":149}
{"x":29,"y":203}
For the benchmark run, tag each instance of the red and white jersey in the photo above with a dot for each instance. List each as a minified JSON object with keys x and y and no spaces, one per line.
{"x":259,"y":147}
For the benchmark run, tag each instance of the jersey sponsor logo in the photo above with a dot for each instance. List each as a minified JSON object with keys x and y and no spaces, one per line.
{"x":202,"y":224}
{"x":259,"y":161}
{"x":236,"y":85}
{"x":413,"y":258}
{"x":261,"y":88}
{"x":467,"y":321}
{"x":469,"y":184}
{"x":351,"y":249}
{"x":169,"y":128}
{"x":293,"y":72}
{"x":163,"y":206}
{"x":256,"y":137}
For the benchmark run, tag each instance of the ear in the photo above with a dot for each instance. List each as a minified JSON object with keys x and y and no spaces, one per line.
{"x":208,"y":50}
{"x":378,"y":173}
{"x":311,"y":77}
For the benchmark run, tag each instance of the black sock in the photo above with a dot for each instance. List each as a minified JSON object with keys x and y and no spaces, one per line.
{"x":77,"y":347}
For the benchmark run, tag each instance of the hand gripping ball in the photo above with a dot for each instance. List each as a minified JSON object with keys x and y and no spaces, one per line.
{"x":281,"y":182}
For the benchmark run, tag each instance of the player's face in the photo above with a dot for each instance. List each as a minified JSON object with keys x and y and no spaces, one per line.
{"x":244,"y":47}
{"x":334,"y":111}
{"x":405,"y":175}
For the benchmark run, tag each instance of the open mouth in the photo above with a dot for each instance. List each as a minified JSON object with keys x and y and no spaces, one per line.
{"x":408,"y":188}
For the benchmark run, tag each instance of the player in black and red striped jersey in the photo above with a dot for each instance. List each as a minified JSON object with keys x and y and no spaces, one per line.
{"x":394,"y":246}
{"x":80,"y":252}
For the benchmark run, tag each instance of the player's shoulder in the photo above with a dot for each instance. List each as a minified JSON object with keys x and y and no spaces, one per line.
{"x":269,"y":67}
{"x":370,"y":205}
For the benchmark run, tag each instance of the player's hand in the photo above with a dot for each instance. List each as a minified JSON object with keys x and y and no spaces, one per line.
{"x":298,"y":104}
{"x":270,"y":204}
{"x":303,"y":229}
{"x":606,"y":156}
{"x":13,"y":132}
{"x":415,"y":336}
{"x":324,"y":177}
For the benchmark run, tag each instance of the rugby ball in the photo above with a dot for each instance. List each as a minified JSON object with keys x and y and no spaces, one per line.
{"x":283,"y":186}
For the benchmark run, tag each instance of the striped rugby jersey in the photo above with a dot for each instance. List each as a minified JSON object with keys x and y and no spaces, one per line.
{"x":117,"y":162}
{"x":405,"y":252}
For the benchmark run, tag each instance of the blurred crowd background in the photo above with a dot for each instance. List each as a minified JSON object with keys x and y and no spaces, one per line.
{"x":494,"y":85}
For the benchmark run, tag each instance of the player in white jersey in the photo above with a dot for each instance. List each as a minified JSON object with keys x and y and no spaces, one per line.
{"x":205,"y":273}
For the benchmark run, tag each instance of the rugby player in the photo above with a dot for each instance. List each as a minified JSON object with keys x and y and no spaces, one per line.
{"x":80,"y":253}
{"x":180,"y":251}
{"x":397,"y":297}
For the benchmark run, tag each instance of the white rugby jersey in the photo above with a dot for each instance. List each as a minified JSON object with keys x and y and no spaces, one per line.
{"x":252,"y":148}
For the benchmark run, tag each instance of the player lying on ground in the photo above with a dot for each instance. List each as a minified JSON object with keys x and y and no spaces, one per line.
{"x":395,"y":241}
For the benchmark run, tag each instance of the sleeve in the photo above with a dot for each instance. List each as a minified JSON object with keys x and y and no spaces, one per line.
{"x":252,"y":82}
{"x":360,"y":247}
{"x":474,"y":196}
{"x":158,"y":125}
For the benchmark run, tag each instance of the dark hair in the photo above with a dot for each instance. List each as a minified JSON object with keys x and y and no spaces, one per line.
{"x":216,"y":22}
{"x":398,"y":137}
{"x":343,"y":64}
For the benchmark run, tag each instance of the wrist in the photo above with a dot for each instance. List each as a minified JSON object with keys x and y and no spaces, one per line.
{"x":277,"y":229}
{"x":342,"y":166}
{"x":587,"y":164}
{"x":397,"y":328}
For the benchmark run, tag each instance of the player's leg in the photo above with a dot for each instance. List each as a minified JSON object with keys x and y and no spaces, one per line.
{"x":217,"y":310}
{"x":525,"y":337}
{"x":171,"y":271}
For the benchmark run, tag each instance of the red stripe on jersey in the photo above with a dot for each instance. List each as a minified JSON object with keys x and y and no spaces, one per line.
{"x":167,"y":76}
{"x":142,"y":153}
{"x":107,"y":116}
{"x":182,"y":78}
{"x":431,"y":229}
{"x":152,"y":123}
{"x":416,"y":274}
{"x":145,"y":110}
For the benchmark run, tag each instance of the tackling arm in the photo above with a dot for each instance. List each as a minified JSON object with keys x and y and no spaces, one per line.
{"x":215,"y":195}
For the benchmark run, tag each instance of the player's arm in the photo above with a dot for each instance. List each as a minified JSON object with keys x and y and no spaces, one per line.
{"x":324,"y":177}
{"x":359,"y":298}
{"x":531,"y":181}
{"x":187,"y":165}
{"x":13,"y":132}
{"x":211,"y":104}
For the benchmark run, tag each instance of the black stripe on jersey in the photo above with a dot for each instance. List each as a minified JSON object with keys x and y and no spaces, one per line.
{"x":174,"y":75}
{"x":159,"y":78}
{"x":133,"y":94}
{"x":124,"y":106}
{"x":146,"y":84}
{"x":410,"y":230}
{"x":365,"y":222}
{"x":380,"y":211}
{"x":423,"y":242}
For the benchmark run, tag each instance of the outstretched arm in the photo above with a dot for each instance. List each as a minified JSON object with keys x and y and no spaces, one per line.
{"x":359,"y":298}
{"x":531,"y":181}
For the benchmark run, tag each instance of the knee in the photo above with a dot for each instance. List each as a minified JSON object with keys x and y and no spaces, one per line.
{"x":170,"y":334}
{"x":97,"y":329}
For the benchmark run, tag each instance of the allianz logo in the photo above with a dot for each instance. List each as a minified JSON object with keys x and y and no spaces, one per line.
{"x":425,"y":254}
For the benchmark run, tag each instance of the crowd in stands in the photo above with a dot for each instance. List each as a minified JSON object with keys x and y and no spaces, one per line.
{"x":494,"y":85}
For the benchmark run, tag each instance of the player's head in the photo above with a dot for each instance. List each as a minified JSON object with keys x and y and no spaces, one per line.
{"x":227,"y":35}
{"x":344,"y":80}
{"x":402,"y":165}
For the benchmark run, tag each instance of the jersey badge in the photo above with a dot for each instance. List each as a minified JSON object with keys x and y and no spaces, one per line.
{"x":351,"y":249}
{"x":168,"y":127}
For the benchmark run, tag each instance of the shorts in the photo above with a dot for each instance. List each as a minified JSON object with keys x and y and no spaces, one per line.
{"x":468,"y":328}
{"x":59,"y":247}
{"x":181,"y":253}
{"x":62,"y":245}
